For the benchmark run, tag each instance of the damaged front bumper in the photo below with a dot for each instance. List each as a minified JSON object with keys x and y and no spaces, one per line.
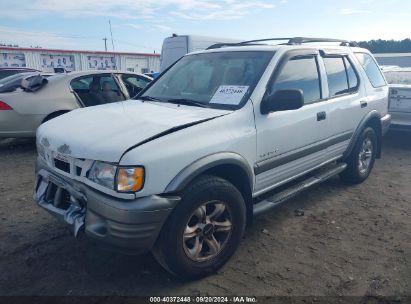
{"x":126,"y":225}
{"x":60,"y":199}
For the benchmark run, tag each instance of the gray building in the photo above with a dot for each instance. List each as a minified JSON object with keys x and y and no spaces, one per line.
{"x":49,"y":59}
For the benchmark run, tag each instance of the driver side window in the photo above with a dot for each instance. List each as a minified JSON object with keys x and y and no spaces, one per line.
{"x":300,"y":72}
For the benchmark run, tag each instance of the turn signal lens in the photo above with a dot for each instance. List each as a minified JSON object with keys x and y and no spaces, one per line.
{"x":4,"y":106}
{"x":130,"y":179}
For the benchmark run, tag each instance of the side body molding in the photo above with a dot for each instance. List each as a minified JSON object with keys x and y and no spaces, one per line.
{"x":201,"y":165}
{"x":364,"y":122}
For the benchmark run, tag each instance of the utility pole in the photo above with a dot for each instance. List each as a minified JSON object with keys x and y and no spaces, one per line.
{"x":111,"y":33}
{"x":105,"y":43}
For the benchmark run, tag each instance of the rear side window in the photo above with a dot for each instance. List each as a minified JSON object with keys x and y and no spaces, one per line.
{"x":352,"y":76}
{"x":300,"y":73}
{"x":82,"y":83}
{"x":97,"y":89}
{"x":341,"y":76}
{"x":371,"y":69}
{"x":337,"y":77}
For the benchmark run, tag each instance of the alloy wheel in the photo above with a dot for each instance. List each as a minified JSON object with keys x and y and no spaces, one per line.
{"x":207,"y":231}
{"x":365,"y":156}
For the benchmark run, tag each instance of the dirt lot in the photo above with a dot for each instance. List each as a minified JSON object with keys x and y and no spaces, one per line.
{"x":351,"y":241}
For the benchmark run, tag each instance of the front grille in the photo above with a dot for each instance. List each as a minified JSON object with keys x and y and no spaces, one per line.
{"x":62,"y":165}
{"x":78,"y":170}
{"x":57,"y":196}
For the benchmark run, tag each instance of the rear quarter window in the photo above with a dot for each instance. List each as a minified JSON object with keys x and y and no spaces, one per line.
{"x":372,"y":69}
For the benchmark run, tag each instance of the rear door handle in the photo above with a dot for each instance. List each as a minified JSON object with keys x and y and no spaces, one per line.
{"x":321,"y":116}
{"x":364,"y":104}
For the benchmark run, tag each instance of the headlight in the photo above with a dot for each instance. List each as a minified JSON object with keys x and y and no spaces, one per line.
{"x":103,"y":174}
{"x":130,"y":179}
{"x":40,"y":151}
{"x":122,"y":179}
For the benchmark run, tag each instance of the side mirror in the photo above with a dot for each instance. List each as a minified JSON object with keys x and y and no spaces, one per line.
{"x":282,"y":100}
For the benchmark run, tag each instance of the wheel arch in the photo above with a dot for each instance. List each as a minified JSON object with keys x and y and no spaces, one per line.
{"x":372,"y":119}
{"x":54,"y":115}
{"x":227,"y":165}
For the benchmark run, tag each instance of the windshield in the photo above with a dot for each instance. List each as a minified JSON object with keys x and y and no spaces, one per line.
{"x":222,"y":80}
{"x":398,"y":77}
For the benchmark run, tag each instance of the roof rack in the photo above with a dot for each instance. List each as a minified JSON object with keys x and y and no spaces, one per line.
{"x":291,"y":41}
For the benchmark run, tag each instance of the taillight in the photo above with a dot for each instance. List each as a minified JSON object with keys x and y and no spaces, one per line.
{"x":4,"y":106}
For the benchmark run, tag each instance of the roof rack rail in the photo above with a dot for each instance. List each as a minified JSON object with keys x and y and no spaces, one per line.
{"x":301,"y":40}
{"x":290,"y":41}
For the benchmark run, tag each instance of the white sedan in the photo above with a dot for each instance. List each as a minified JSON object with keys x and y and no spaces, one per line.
{"x":39,"y":99}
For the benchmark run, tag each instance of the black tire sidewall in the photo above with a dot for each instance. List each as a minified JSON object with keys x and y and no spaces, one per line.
{"x":357,"y":176}
{"x":202,"y":190}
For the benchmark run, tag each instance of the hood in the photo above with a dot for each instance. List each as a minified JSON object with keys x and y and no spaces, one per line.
{"x":105,"y":132}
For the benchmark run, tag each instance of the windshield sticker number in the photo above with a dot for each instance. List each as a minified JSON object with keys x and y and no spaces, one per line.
{"x":229,"y":94}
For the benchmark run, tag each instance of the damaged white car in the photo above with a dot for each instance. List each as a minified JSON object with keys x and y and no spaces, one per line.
{"x":399,"y":80}
{"x":182,"y":169}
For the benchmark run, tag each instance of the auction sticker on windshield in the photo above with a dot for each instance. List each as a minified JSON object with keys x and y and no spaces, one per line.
{"x":229,"y":94}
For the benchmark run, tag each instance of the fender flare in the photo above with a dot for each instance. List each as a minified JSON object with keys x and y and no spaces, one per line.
{"x":363,"y":123}
{"x":185,"y":176}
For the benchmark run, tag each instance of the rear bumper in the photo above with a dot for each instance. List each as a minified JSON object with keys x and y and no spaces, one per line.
{"x":13,"y":124}
{"x":385,"y":123}
{"x":401,"y":121}
{"x":130,"y":226}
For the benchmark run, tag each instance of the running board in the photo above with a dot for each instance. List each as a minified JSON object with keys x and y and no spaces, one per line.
{"x":279,"y":198}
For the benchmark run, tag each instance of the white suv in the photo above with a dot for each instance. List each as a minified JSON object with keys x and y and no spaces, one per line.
{"x":181,"y":169}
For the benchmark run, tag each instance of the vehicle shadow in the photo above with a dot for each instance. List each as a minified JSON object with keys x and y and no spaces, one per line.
{"x":17,"y":145}
{"x":397,"y":140}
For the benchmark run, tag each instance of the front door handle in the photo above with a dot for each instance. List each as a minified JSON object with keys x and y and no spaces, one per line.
{"x":321,"y":116}
{"x":364,"y":104}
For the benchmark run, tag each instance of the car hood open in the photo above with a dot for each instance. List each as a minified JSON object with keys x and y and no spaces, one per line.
{"x":106,"y":132}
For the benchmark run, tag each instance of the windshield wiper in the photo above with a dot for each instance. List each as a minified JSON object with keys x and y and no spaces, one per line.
{"x":149,"y":98}
{"x":187,"y":102}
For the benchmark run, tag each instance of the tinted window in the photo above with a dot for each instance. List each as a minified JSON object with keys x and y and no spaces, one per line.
{"x":7,"y":73}
{"x":110,"y":90}
{"x":337,"y":78}
{"x":81,"y":84}
{"x":109,"y":82}
{"x":134,"y":84}
{"x":300,"y":73}
{"x":97,"y":89}
{"x":371,"y":69}
{"x":352,"y":76}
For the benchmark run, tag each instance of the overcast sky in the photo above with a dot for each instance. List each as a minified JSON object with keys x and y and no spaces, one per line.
{"x":141,"y":25}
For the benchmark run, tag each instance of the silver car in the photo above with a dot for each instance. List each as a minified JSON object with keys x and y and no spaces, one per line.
{"x":39,"y":99}
{"x":400,"y":97}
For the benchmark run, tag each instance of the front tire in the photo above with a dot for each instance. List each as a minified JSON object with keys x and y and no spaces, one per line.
{"x":204,"y":230}
{"x":362,"y":159}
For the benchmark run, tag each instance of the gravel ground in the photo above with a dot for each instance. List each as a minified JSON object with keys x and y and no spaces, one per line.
{"x":352,"y":241}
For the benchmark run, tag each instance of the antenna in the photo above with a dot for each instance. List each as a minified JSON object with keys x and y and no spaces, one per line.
{"x":105,"y":43}
{"x":111,"y":33}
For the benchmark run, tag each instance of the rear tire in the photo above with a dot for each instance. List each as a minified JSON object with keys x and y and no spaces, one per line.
{"x":361,"y":161}
{"x":204,"y":229}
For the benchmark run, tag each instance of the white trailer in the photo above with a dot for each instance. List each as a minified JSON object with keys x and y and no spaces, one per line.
{"x":176,"y":46}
